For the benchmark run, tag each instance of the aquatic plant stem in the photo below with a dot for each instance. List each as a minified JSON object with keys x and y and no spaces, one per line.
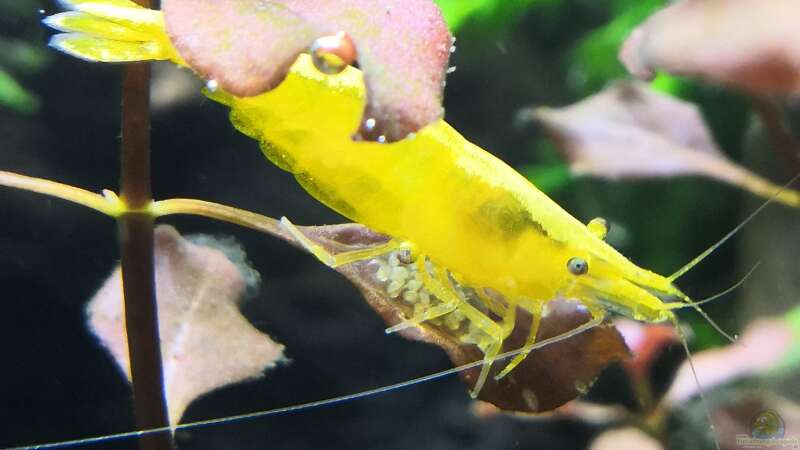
{"x":107,"y":204}
{"x":136,"y":246}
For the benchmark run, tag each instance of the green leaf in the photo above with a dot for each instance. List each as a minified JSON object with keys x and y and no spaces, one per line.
{"x":15,"y":97}
{"x":669,"y":84}
{"x":594,"y":61}
{"x":548,"y":178}
{"x":496,"y":14}
{"x":21,"y":56}
{"x":792,"y":359}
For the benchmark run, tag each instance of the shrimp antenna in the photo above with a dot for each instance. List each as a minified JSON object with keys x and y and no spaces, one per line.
{"x":730,"y":234}
{"x":703,"y":399}
{"x":689,"y":303}
{"x":714,"y":324}
{"x":696,"y":305}
{"x":315,"y":404}
{"x":682,"y":337}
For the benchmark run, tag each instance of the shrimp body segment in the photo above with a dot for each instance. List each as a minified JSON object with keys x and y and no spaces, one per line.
{"x":480,"y":241}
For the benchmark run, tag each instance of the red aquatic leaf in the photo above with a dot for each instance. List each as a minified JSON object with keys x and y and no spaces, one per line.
{"x":647,"y":342}
{"x":206,"y":343}
{"x":247,"y":47}
{"x":750,"y":44}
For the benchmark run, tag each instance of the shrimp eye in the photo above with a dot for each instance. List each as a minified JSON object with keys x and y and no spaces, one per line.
{"x":577,"y":266}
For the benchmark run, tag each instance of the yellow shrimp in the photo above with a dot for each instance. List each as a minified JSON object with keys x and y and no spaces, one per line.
{"x":462,"y":219}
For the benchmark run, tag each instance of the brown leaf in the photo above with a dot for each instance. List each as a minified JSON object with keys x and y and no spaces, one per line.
{"x":630,"y":130}
{"x":548,"y":378}
{"x":247,"y":47}
{"x":749,"y":44}
{"x":205,"y":341}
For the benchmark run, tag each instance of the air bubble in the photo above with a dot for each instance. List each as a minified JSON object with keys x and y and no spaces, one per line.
{"x":332,"y":53}
{"x":451,"y":69}
{"x":369,"y":124}
{"x":212,"y":85}
{"x":382,"y":139}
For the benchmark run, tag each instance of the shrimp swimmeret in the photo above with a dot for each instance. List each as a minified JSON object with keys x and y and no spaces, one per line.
{"x":477,"y":240}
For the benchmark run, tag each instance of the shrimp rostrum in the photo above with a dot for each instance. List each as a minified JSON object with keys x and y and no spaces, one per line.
{"x":477,"y":241}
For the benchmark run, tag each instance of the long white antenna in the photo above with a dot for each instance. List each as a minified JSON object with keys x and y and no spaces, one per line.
{"x":303,"y":406}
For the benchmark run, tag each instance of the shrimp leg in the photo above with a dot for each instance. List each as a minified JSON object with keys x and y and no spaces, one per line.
{"x":495,"y":333}
{"x":339,"y":259}
{"x":535,"y":308}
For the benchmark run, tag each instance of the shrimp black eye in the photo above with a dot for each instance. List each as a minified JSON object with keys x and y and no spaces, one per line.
{"x":577,"y":266}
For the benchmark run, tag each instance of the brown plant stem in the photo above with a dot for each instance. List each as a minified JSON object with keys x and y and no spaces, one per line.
{"x":136,"y":246}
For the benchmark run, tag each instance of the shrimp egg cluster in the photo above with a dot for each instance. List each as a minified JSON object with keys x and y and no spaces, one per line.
{"x":402,"y":281}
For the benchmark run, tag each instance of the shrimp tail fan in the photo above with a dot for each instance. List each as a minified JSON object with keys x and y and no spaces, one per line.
{"x":111,"y":31}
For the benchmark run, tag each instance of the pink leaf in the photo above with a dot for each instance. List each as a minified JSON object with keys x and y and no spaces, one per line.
{"x":629,"y":130}
{"x":206,"y":343}
{"x":247,"y":47}
{"x":749,"y":44}
{"x":762,"y":347}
